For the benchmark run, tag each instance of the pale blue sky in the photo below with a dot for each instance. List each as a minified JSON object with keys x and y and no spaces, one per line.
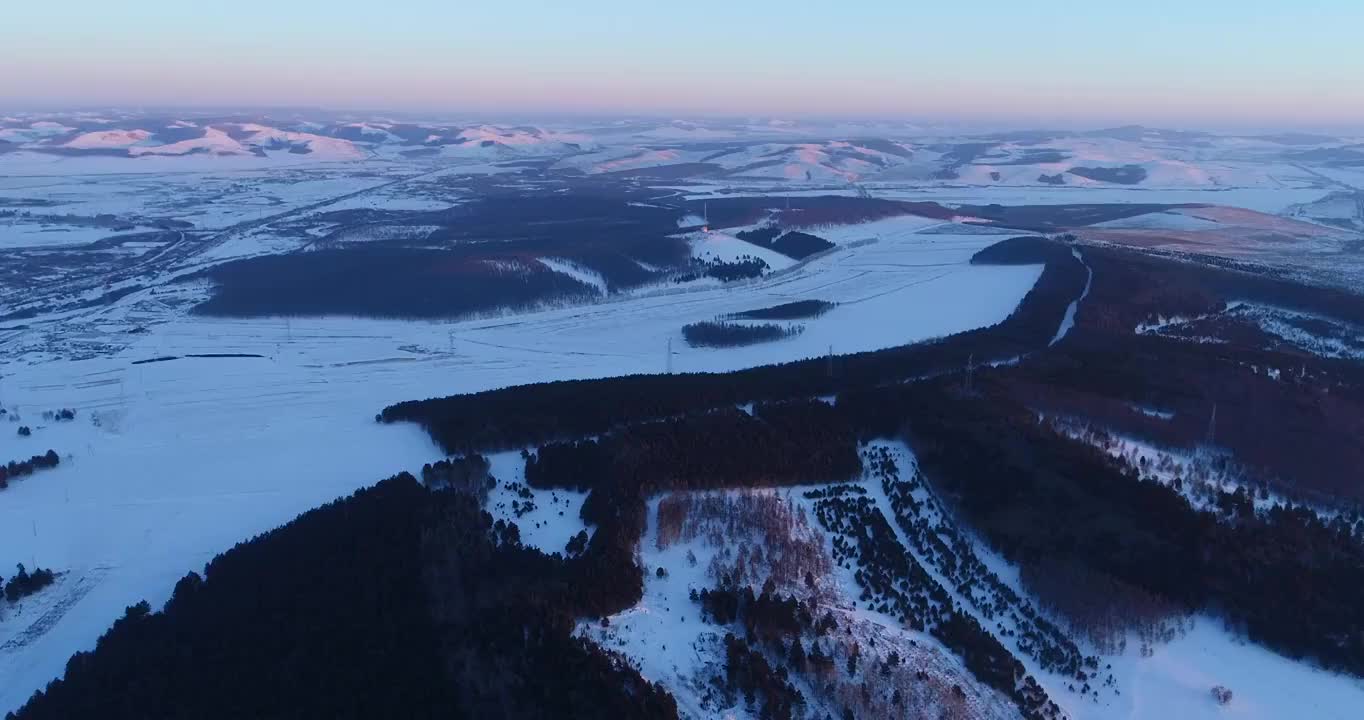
{"x":1186,"y":62}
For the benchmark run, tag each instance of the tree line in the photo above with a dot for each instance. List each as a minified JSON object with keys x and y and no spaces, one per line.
{"x":16,"y":469}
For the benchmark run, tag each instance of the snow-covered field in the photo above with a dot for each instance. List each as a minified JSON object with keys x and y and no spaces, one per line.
{"x":546,"y":519}
{"x":723,"y":247}
{"x":210,"y":198}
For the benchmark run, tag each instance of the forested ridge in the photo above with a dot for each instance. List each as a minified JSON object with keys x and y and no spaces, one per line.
{"x":394,"y":602}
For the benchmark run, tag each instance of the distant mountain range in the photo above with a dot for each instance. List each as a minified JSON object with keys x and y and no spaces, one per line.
{"x":717,"y":150}
{"x":133,"y":137}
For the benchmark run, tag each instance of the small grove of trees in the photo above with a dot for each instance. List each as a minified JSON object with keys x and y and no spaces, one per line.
{"x":745,"y":268}
{"x":25,"y":583}
{"x":1125,"y":175}
{"x":468,"y":474}
{"x":793,"y":244}
{"x":795,"y":310}
{"x":1221,"y":694}
{"x":729,"y":334}
{"x":21,"y":468}
{"x":748,"y":671}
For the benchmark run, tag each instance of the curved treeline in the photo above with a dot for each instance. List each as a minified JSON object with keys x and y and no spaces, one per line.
{"x":514,"y":417}
{"x":394,"y":602}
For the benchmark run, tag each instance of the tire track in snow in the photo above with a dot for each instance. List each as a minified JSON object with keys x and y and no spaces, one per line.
{"x":56,"y":612}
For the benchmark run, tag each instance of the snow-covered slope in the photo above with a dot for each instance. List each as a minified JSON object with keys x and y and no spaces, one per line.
{"x":213,"y":141}
{"x":715,"y":246}
{"x":268,"y":138}
{"x":178,"y":138}
{"x":107,"y":139}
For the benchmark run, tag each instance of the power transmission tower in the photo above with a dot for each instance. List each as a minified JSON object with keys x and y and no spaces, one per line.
{"x":1212,"y":425}
{"x":668,"y":358}
{"x":970,"y":373}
